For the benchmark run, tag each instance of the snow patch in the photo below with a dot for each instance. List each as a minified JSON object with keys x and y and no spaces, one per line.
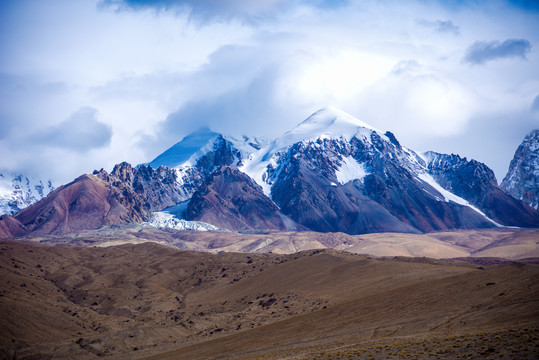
{"x":350,"y":170}
{"x":449,"y":196}
{"x":18,"y":191}
{"x":164,"y":220}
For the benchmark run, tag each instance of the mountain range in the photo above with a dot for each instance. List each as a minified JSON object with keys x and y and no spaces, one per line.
{"x":331,"y":173}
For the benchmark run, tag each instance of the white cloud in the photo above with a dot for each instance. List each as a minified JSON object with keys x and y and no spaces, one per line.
{"x":481,"y":52}
{"x":420,"y":103}
{"x":81,"y":132}
{"x":443,"y":26}
{"x":535,"y":104}
{"x":152,"y":76}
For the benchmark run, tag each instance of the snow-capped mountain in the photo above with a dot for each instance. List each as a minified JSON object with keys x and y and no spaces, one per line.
{"x":522,"y":179}
{"x":207,"y":149}
{"x":326,"y":124}
{"x":200,"y":153}
{"x":333,"y":172}
{"x":18,"y":191}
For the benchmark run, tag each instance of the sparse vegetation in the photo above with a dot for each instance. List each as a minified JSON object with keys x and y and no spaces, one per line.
{"x":146,"y":299}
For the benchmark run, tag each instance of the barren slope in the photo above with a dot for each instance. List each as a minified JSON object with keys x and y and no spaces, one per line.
{"x":504,"y":242}
{"x":133,"y":301}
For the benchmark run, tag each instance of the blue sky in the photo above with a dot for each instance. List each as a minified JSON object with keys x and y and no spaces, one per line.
{"x":90,"y":83}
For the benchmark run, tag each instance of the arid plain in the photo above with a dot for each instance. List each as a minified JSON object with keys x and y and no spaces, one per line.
{"x":152,"y":301}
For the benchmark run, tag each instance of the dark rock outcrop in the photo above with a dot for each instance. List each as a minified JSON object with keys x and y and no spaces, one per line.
{"x":389,"y":197}
{"x":475,"y":182}
{"x":522,"y":179}
{"x":335,"y":173}
{"x":145,"y":188}
{"x":232,"y":200}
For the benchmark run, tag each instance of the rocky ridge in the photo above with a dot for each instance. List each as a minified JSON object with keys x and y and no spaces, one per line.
{"x":331,"y":173}
{"x":522,"y":179}
{"x":230,"y":199}
{"x":126,"y":195}
{"x":335,"y":173}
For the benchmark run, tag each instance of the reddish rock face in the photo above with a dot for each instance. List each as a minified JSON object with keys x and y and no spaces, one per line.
{"x":10,"y":227}
{"x":126,"y":195}
{"x":86,"y":203}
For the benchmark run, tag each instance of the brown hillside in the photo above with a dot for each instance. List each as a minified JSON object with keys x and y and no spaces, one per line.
{"x":134,"y":301}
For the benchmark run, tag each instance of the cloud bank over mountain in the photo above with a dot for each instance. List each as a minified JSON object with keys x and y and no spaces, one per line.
{"x":443,"y":76}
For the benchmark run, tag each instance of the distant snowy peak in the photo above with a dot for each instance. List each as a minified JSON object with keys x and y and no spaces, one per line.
{"x":332,"y":132}
{"x":18,"y":191}
{"x":331,"y":122}
{"x":202,"y":152}
{"x":181,"y":152}
{"x":334,"y":172}
{"x":522,"y":179}
{"x":205,"y":148}
{"x":327,"y":123}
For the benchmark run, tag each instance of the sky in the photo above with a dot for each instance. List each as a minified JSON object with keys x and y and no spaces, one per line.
{"x":87,"y":84}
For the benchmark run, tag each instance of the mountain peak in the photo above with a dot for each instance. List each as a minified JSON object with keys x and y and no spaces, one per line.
{"x":182,"y":151}
{"x":330,"y":117}
{"x":226,"y":150}
{"x":328,"y":122}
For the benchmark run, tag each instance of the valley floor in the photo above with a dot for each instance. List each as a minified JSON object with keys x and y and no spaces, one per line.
{"x":157,"y":302}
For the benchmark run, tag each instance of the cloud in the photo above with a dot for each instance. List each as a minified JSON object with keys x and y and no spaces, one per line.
{"x":205,"y":10}
{"x":238,"y":111}
{"x":239,"y":91}
{"x":210,"y":10}
{"x":27,"y":102}
{"x":255,"y":67}
{"x":245,"y":109}
{"x":535,"y":104}
{"x":80,"y":132}
{"x":417,"y":104}
{"x":406,"y":67}
{"x":481,"y":52}
{"x":441,"y":26}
